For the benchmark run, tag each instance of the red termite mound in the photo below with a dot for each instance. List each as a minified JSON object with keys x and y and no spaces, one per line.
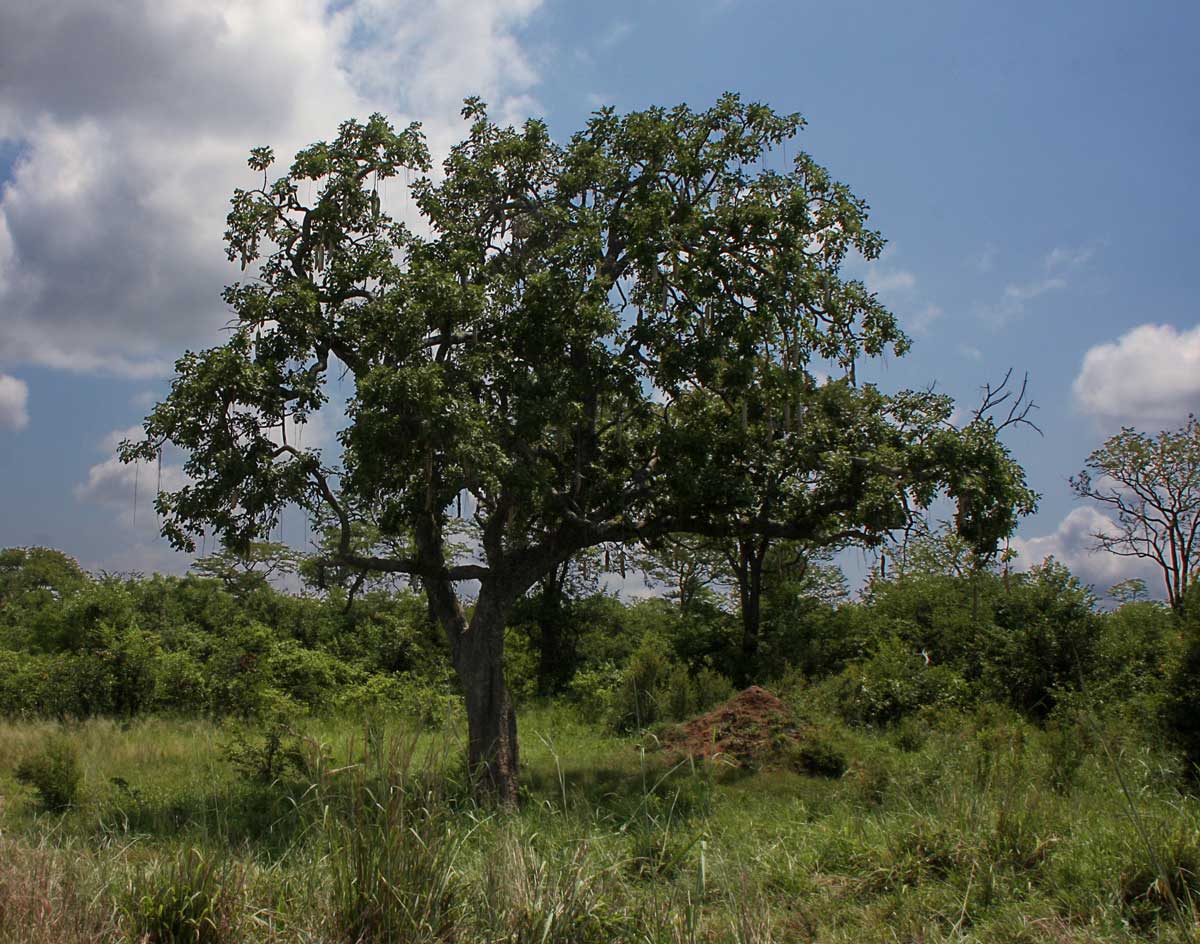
{"x":748,"y":729}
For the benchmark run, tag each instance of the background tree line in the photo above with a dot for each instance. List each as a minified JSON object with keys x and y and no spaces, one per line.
{"x":932,"y":636}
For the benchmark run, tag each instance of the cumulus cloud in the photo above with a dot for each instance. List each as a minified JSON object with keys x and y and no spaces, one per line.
{"x":1070,"y":544}
{"x":14,"y":403}
{"x":132,"y":120}
{"x":1149,"y":375}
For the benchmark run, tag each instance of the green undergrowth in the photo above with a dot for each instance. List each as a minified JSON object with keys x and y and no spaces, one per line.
{"x":962,"y":827}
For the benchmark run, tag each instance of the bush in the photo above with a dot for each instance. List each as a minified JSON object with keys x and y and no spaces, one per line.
{"x":54,"y":773}
{"x":594,"y":690}
{"x":678,"y":698}
{"x":1182,"y":705}
{"x":820,"y":753}
{"x":266,"y":749}
{"x":655,"y":688}
{"x":893,"y":684}
{"x":640,"y":701}
{"x":406,"y":695}
{"x":712,"y":689}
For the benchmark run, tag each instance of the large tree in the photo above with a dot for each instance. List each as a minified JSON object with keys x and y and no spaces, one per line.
{"x":1151,"y":484}
{"x":596,"y":342}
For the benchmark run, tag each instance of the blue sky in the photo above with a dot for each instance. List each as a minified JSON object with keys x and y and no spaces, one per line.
{"x":1032,"y":166}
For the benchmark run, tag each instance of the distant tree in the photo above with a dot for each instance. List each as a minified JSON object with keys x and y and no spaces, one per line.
{"x":39,"y":572}
{"x":599,"y":342}
{"x":685,"y":564}
{"x":1128,"y":591}
{"x":1151,"y":484}
{"x":250,"y":566}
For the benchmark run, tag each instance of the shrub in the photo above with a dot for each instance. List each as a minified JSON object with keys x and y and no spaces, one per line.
{"x":306,"y":675}
{"x":677,"y":700}
{"x":180,"y":684}
{"x":819,"y":753}
{"x":1182,"y":706}
{"x":894,"y":683}
{"x":640,"y":701}
{"x":54,"y":773}
{"x":712,"y":688}
{"x":407,"y":695}
{"x":594,"y":690}
{"x":268,"y":747}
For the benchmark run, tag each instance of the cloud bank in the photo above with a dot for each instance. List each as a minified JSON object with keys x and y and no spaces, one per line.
{"x":1070,"y":544}
{"x":131,"y":121}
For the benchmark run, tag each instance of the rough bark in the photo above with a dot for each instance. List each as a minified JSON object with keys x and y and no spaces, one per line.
{"x":492,"y":755}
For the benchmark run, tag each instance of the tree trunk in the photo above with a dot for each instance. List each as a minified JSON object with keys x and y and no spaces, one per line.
{"x":492,"y":756}
{"x":553,"y":657}
{"x":749,"y":574}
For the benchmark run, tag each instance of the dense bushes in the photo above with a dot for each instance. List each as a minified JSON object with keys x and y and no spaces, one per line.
{"x":930,"y":640}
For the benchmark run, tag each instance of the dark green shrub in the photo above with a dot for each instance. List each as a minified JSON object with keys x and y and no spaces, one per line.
{"x":408,"y":695}
{"x":678,"y":698}
{"x":180,"y":684}
{"x":308,"y":676}
{"x":268,"y":747}
{"x":820,"y":753}
{"x":640,"y":699}
{"x":712,"y":689}
{"x":594,"y":690}
{"x":54,"y":774}
{"x":1181,"y":709}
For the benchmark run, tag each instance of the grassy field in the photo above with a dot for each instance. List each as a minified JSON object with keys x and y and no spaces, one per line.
{"x":977,"y":828}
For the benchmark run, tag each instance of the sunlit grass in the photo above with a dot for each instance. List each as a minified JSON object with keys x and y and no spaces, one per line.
{"x":975,"y":834}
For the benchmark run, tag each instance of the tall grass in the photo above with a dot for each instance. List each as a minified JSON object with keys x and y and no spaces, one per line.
{"x":984,"y":829}
{"x":393,"y":843}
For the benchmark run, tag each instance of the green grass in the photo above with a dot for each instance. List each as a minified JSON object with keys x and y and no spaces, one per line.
{"x":986,"y":830}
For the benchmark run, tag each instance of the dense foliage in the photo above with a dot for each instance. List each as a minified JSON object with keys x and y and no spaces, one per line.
{"x":924,"y":640}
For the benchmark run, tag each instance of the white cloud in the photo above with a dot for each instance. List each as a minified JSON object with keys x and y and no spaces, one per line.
{"x":1060,"y":266}
{"x":1150,"y":374}
{"x":1071,"y":544}
{"x":891,"y":280}
{"x":1025,"y":291}
{"x":14,"y":403}
{"x":117,"y":484}
{"x":133,"y":121}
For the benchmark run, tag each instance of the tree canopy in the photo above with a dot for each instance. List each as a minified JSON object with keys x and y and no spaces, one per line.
{"x":638,"y":333}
